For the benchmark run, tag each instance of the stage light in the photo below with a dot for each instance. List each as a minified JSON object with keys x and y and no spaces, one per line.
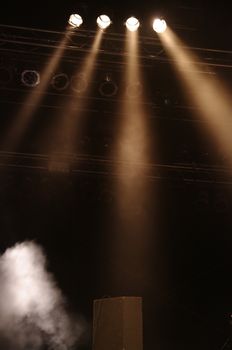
{"x":108,"y":87}
{"x":132,"y":24}
{"x":30,"y":78}
{"x":159,"y":25}
{"x":103,"y":21}
{"x":60,"y":81}
{"x":75,"y":20}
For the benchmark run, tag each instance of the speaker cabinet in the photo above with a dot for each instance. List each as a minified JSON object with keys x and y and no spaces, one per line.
{"x":118,"y":324}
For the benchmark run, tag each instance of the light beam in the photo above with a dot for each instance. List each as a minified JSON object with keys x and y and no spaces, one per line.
{"x":206,"y":93}
{"x":23,"y":118}
{"x":132,"y":187}
{"x":69,"y":123}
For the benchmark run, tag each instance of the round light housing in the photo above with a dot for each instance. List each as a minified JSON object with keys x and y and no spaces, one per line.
{"x":159,"y":25}
{"x":60,"y":81}
{"x":108,"y":87}
{"x":79,"y":83}
{"x":75,"y":20}
{"x":30,"y":78}
{"x":103,"y":21}
{"x":132,"y":24}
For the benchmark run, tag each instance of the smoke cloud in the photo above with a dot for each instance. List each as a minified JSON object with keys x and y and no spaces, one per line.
{"x":33,"y":311}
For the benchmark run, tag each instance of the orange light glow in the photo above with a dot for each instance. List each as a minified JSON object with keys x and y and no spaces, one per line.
{"x":132,"y":187}
{"x":207,"y":93}
{"x":70,"y":122}
{"x":24,"y":116}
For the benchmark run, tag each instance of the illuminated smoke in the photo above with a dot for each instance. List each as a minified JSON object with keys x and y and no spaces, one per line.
{"x":131,"y":244}
{"x":33,"y":311}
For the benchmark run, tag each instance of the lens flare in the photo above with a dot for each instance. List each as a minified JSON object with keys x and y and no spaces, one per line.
{"x":132,"y":24}
{"x":159,"y":25}
{"x":103,"y":21}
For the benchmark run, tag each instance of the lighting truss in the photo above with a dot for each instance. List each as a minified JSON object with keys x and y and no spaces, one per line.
{"x":32,"y":48}
{"x":89,"y":164}
{"x":38,"y":43}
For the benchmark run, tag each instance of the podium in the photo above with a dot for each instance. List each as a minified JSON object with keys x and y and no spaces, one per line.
{"x":118,"y":324}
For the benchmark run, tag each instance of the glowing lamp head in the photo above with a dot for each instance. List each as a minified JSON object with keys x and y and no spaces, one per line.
{"x":75,"y":20}
{"x":159,"y":25}
{"x":132,"y":24}
{"x":103,"y":21}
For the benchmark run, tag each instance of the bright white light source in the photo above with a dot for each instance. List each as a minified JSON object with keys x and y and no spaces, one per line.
{"x":75,"y":20}
{"x":103,"y":21}
{"x":159,"y":25}
{"x":132,"y":24}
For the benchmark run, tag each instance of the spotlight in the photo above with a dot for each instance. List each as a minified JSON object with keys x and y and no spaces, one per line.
{"x":103,"y":21}
{"x":159,"y":25}
{"x":60,"y":81}
{"x":30,"y":78}
{"x":79,"y":83}
{"x":75,"y":20}
{"x":132,"y":24}
{"x":108,"y":87}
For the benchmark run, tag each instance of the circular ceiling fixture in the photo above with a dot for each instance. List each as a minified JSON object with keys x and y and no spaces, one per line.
{"x":60,"y":81}
{"x":108,"y":87}
{"x":30,"y":78}
{"x":159,"y":25}
{"x":103,"y":21}
{"x":132,"y":24}
{"x":79,"y":83}
{"x":75,"y":20}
